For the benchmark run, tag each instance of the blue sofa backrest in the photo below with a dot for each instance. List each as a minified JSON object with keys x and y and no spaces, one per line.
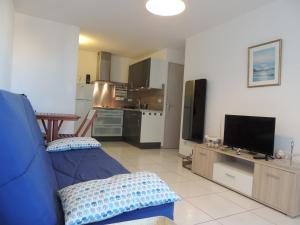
{"x":27,"y":182}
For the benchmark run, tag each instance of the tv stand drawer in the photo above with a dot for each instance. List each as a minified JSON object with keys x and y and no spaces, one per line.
{"x":233,"y":178}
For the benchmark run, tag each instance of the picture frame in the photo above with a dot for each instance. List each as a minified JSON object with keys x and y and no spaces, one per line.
{"x":264,"y":64}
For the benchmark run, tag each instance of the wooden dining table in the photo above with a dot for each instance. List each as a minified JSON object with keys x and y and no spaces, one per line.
{"x":52,"y":123}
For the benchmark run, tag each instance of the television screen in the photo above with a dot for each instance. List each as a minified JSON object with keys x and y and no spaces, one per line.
{"x":255,"y":134}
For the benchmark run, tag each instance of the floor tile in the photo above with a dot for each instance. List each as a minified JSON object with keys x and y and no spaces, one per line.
{"x":171,"y":177}
{"x":186,"y":214}
{"x":132,"y":169}
{"x":276,"y":217}
{"x":188,"y":174}
{"x":212,"y":223}
{"x":215,"y":206}
{"x":244,"y":219}
{"x":189,"y":189}
{"x":240,"y":200}
{"x":211,"y":186}
{"x":155,"y":167}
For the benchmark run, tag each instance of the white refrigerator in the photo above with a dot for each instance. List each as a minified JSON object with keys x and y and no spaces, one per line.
{"x":84,"y":102}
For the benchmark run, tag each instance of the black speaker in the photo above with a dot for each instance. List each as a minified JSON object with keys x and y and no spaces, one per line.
{"x":194,"y":110}
{"x":88,"y":79}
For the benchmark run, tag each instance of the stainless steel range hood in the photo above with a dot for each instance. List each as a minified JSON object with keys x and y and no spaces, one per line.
{"x":104,"y":67}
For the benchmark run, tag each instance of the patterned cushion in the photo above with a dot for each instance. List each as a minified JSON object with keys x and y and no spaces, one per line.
{"x":66,"y":144}
{"x":98,"y":200}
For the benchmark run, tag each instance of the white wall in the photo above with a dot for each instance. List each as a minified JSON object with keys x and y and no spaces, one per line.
{"x":168,"y":54}
{"x":87,"y":64}
{"x":6,"y":40}
{"x":120,"y":68}
{"x":45,"y":64}
{"x":176,"y":55}
{"x":220,"y":55}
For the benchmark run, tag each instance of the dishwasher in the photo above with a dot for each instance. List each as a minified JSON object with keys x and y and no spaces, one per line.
{"x":108,"y":124}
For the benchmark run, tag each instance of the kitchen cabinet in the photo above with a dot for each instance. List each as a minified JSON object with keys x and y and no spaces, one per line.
{"x":132,"y":126}
{"x":139,"y":74}
{"x":148,"y":73}
{"x":108,"y":125}
{"x":205,"y":162}
{"x":158,"y":71}
{"x":151,"y":127}
{"x":142,"y":128}
{"x":277,"y":188}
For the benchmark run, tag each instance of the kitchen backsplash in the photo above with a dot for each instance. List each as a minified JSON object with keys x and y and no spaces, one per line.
{"x":153,"y":98}
{"x":117,"y":96}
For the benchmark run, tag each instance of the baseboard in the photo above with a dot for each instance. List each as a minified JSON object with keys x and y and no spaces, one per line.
{"x":109,"y":138}
{"x":152,"y":145}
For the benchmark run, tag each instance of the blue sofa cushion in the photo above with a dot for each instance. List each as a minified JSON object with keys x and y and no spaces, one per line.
{"x":27,"y":183}
{"x":76,"y":166}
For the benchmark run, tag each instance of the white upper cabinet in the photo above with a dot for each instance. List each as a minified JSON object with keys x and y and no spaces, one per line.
{"x":157,"y":73}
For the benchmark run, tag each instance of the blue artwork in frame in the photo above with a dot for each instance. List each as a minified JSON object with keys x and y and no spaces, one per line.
{"x":264,"y":64}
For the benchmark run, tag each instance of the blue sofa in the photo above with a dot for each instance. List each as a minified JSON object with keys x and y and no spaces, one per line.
{"x":30,"y":176}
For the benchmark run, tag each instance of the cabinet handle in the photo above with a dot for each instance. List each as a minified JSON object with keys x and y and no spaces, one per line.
{"x":273,"y":176}
{"x":229,"y":175}
{"x":203,"y":154}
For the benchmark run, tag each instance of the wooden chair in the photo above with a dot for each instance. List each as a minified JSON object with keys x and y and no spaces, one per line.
{"x":85,"y":126}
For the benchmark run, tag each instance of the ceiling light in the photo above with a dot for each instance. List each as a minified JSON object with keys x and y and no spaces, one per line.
{"x":165,"y":7}
{"x":84,"y":40}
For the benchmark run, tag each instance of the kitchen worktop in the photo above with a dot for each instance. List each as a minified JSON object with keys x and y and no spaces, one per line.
{"x":128,"y":109}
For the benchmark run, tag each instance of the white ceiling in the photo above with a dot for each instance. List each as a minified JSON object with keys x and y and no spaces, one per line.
{"x":125,"y":27}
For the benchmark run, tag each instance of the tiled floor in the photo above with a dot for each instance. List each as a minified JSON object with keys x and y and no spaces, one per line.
{"x":203,"y":202}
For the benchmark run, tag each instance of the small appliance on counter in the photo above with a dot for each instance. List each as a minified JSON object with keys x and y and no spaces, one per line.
{"x":88,"y":79}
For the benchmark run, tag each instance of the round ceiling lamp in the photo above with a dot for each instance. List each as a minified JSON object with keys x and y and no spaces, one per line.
{"x":165,"y":7}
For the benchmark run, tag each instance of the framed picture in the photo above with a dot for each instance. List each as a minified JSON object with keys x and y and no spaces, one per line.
{"x":264,"y":64}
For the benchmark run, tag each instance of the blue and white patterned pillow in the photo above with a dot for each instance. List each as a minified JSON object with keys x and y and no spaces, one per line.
{"x":98,"y":200}
{"x":73,"y":143}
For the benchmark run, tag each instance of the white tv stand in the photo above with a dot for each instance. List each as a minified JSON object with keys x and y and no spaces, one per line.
{"x":274,"y":183}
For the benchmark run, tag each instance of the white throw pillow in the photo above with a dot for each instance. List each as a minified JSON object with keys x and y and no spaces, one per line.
{"x":73,"y":143}
{"x":98,"y":200}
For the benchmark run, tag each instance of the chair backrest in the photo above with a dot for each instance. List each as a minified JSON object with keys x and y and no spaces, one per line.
{"x":28,"y":183}
{"x":86,"y":123}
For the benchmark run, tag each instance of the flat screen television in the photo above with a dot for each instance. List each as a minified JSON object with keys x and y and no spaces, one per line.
{"x":255,"y":134}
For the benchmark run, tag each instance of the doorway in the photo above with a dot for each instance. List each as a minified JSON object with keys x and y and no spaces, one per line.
{"x":173,"y":106}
